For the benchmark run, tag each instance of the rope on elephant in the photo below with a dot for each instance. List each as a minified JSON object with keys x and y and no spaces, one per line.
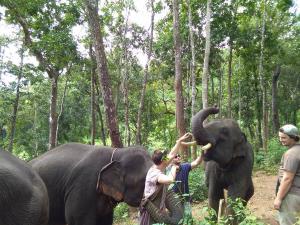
{"x":104,"y":168}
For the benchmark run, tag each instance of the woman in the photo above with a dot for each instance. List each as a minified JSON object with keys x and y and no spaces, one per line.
{"x":156,"y":175}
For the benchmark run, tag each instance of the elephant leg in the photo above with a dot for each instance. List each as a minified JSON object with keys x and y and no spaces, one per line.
{"x":249,"y":192}
{"x":215,"y":193}
{"x":106,"y":220}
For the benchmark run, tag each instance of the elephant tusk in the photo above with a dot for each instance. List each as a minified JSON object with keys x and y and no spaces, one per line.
{"x":191,"y":143}
{"x":206,"y":147}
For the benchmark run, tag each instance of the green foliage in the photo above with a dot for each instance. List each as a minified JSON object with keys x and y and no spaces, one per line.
{"x":241,"y":215}
{"x":198,"y":188}
{"x":270,"y":160}
{"x":121,"y":212}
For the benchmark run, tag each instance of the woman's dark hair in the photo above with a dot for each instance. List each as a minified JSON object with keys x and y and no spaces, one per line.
{"x":157,"y":156}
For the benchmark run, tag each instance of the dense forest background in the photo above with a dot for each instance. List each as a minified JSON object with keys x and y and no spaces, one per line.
{"x":84,"y":71}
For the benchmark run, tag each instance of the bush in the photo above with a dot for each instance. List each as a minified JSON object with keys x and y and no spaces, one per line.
{"x":198,"y":189}
{"x":241,"y":214}
{"x":270,"y":160}
{"x":121,"y":211}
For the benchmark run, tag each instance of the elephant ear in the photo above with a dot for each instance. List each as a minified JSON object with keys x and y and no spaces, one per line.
{"x":241,"y":148}
{"x":111,"y":181}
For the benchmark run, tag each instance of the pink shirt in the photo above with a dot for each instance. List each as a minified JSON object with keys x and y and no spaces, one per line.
{"x":151,"y":181}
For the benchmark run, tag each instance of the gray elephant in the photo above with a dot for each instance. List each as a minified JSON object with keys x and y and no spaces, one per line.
{"x":86,"y":182}
{"x":23,"y":195}
{"x":229,"y":158}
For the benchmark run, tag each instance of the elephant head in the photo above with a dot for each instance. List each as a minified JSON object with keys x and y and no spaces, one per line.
{"x":227,"y":142}
{"x":123,"y":178}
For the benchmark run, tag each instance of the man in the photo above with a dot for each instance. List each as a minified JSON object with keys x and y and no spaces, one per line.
{"x":181,"y":185}
{"x":287,"y":199}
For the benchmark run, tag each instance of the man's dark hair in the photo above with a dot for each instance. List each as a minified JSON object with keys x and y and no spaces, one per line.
{"x":157,"y":156}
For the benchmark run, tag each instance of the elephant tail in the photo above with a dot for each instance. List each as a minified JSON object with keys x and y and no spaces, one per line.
{"x":174,"y":212}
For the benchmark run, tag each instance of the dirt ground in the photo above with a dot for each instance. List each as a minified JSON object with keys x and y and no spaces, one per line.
{"x":260,"y":205}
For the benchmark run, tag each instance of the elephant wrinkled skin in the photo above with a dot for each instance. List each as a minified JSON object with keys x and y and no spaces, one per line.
{"x":229,"y":160}
{"x":78,"y":195}
{"x":23,"y":195}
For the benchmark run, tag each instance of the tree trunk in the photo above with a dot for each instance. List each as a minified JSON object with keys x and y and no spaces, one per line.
{"x":97,"y":105}
{"x":62,"y":104}
{"x":110,"y":110}
{"x":93,"y":99}
{"x":53,"y":112}
{"x":16,"y":104}
{"x":220,"y":94}
{"x":229,"y":113}
{"x":193,"y":63}
{"x":263,"y":84}
{"x":206,"y":57}
{"x":276,"y":124}
{"x":180,"y":122}
{"x":258,"y":116}
{"x":138,"y":137}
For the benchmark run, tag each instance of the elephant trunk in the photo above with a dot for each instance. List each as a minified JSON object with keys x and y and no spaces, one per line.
{"x":199,"y":132}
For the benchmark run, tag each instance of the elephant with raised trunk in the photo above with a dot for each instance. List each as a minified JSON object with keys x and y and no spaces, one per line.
{"x":23,"y":195}
{"x":86,"y":182}
{"x":229,"y":157}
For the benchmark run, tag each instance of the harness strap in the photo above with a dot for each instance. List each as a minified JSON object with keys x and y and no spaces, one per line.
{"x":104,"y":168}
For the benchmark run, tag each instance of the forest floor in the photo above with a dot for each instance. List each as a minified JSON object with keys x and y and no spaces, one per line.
{"x":260,"y":205}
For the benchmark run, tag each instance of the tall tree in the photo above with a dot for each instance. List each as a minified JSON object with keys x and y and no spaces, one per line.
{"x":180,"y":121}
{"x":138,"y":139}
{"x":47,"y":36}
{"x":110,"y":110}
{"x":193,"y":62}
{"x":193,"y":68}
{"x":205,"y":76}
{"x":275,"y":113}
{"x":93,"y":98}
{"x":16,"y":103}
{"x":262,"y":81}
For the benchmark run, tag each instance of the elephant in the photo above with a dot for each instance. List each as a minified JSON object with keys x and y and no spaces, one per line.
{"x":229,"y":159}
{"x":86,"y":182}
{"x":23,"y":194}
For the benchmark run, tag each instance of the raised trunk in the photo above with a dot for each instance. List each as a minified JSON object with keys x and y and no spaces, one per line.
{"x":199,"y":132}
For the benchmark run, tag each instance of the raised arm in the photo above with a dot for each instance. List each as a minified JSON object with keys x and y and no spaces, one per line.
{"x":197,"y":161}
{"x":177,"y":146}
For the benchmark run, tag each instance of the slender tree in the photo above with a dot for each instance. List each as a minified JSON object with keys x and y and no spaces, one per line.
{"x":138,"y":139}
{"x":93,"y":98}
{"x":180,"y":122}
{"x":205,"y":76}
{"x":275,"y":113}
{"x":110,"y":110}
{"x":262,"y":81}
{"x":16,"y":103}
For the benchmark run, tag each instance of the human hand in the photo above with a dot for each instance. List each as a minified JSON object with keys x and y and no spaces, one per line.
{"x":277,"y":203}
{"x":184,"y":137}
